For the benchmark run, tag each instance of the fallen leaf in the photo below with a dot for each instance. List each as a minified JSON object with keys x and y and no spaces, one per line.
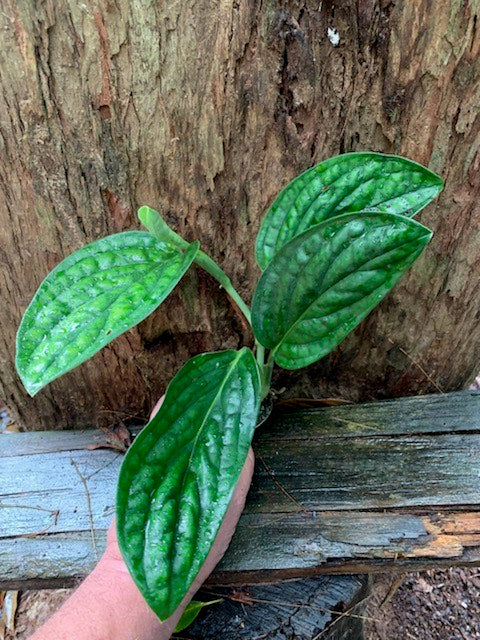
{"x":118,"y":439}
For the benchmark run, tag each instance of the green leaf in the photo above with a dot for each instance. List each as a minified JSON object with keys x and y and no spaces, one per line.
{"x":178,"y":477}
{"x":192,"y":610}
{"x":92,"y":297}
{"x":321,"y":284}
{"x":346,"y":183}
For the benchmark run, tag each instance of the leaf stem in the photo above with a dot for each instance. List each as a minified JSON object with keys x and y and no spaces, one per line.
{"x":260,"y":354}
{"x":267,"y":374}
{"x":204,"y":261}
{"x":157,"y":226}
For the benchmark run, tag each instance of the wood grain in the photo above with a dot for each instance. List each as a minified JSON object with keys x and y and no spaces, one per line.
{"x":297,"y":610}
{"x":346,"y":489}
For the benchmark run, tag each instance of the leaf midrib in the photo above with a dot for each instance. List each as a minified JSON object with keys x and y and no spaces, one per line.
{"x":334,"y":284}
{"x":24,"y":373}
{"x":187,"y":469}
{"x":87,"y":302}
{"x":280,"y":229}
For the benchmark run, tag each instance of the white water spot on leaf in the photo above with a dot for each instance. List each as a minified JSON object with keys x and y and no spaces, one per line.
{"x":333,"y":36}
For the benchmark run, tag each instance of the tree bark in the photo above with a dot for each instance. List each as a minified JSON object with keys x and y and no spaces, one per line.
{"x":204,"y":111}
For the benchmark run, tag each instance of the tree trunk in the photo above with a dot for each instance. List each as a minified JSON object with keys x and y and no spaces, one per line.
{"x":204,"y":111}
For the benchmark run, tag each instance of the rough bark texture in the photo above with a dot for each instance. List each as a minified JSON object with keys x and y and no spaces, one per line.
{"x":204,"y":110}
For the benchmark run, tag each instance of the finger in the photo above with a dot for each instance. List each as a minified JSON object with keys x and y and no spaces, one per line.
{"x":112,"y":533}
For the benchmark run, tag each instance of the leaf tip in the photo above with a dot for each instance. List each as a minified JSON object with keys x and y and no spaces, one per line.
{"x":439,"y":184}
{"x":436,"y":182}
{"x":425,"y":234}
{"x":143,"y":214}
{"x":428,"y":235}
{"x":32,"y":388}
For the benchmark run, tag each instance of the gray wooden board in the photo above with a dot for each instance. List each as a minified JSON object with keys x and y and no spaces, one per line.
{"x":348,"y":489}
{"x":449,"y":413}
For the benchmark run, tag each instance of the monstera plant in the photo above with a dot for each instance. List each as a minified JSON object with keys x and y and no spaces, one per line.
{"x":331,"y":246}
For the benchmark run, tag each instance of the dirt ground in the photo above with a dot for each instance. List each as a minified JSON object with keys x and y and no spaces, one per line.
{"x":433,"y":605}
{"x":34,"y":607}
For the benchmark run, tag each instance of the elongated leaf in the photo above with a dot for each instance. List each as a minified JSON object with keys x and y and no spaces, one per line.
{"x":192,"y":610}
{"x":346,"y":183}
{"x":321,"y":284}
{"x":92,"y":297}
{"x":178,"y":477}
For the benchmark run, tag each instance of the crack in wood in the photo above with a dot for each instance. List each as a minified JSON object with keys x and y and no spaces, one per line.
{"x":385,"y":503}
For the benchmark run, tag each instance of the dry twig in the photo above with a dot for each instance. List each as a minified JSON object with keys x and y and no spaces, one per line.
{"x":89,"y":505}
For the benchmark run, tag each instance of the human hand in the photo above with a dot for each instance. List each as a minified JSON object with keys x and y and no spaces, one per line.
{"x":109,"y":606}
{"x":112,"y":561}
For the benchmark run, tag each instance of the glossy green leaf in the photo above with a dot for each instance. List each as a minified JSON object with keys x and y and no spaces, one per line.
{"x":346,"y":183}
{"x":178,"y":477}
{"x":192,"y":610}
{"x":321,"y":284}
{"x":90,"y":298}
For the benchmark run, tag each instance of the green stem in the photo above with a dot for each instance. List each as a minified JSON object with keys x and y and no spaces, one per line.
{"x":267,"y":375}
{"x":153,"y":221}
{"x":260,"y":354}
{"x":204,"y":261}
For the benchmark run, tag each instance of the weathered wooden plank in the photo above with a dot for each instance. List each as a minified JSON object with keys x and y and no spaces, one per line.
{"x":43,"y":442}
{"x":369,"y":473}
{"x":442,"y":413}
{"x":44,"y":492}
{"x":327,"y":503}
{"x":267,"y":547}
